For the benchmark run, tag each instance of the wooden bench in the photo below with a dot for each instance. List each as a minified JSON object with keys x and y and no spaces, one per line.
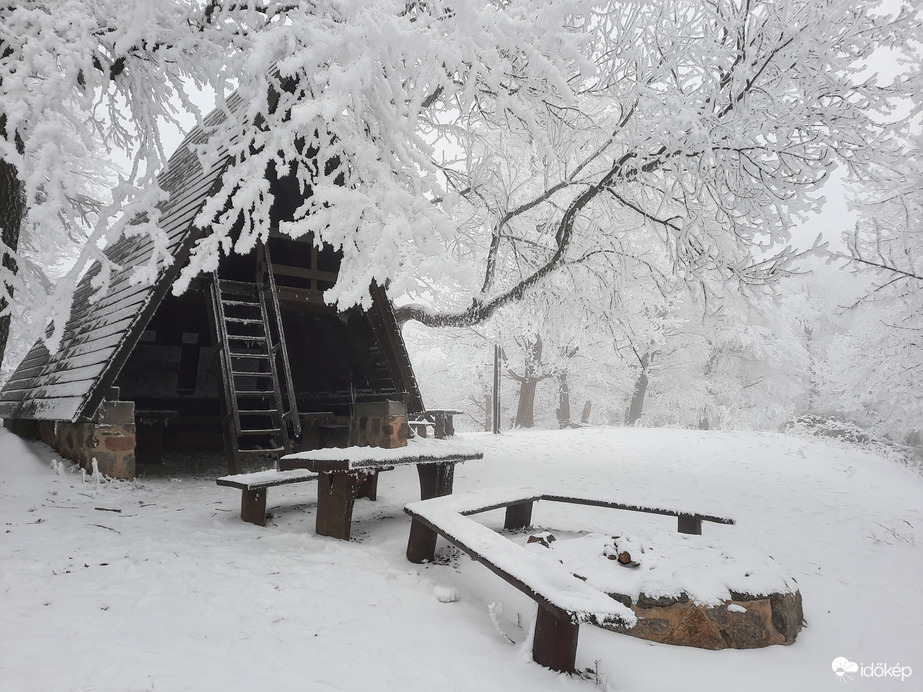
{"x":254,"y":486}
{"x":442,"y":420}
{"x":421,"y":427}
{"x":564,"y":601}
{"x":344,"y":473}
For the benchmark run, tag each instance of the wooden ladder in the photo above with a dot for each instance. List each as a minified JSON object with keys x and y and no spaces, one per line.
{"x":260,"y":416}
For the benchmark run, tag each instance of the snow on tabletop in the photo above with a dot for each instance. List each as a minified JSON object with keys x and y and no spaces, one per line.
{"x":669,"y":564}
{"x":268,"y":476}
{"x":416,"y":447}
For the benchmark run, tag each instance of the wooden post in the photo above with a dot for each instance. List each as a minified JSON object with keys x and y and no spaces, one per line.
{"x":439,"y":428}
{"x":369,"y":487}
{"x":253,"y":506}
{"x":336,"y":495}
{"x":687,"y":523}
{"x":518,"y":516}
{"x":496,"y":399}
{"x":421,"y":546}
{"x":436,"y":479}
{"x":555,"y":642}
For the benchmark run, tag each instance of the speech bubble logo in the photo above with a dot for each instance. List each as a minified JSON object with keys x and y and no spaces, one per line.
{"x":841,"y":666}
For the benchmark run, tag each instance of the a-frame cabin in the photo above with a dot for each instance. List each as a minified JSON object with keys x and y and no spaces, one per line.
{"x":250,"y":358}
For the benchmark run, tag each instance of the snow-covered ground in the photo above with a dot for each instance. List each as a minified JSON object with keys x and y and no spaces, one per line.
{"x":174,"y":592}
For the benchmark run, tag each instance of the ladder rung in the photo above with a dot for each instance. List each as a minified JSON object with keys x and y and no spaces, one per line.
{"x":257,"y":412}
{"x":273,"y":450}
{"x":242,"y":354}
{"x":265,"y":431}
{"x":229,"y":285}
{"x":254,"y":393}
{"x":241,"y":337}
{"x":242,"y":320}
{"x":244,"y":373}
{"x":239,"y":303}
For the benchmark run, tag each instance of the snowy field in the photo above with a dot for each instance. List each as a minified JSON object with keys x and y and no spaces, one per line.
{"x":174,"y":592}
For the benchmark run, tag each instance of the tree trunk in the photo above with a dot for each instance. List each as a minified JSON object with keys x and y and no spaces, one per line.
{"x":563,"y":401}
{"x":488,"y":411}
{"x":12,"y":209}
{"x":525,"y":412}
{"x":637,"y":398}
{"x":585,"y":416}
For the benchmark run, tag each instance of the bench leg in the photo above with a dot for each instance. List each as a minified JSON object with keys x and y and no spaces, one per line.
{"x":689,"y":524}
{"x":336,"y":495}
{"x":421,"y":546}
{"x":253,"y":506}
{"x":518,"y":516}
{"x":436,"y":479}
{"x":555,"y":642}
{"x":369,"y":487}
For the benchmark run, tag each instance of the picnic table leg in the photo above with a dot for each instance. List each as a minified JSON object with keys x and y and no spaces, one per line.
{"x":253,"y":506}
{"x":421,"y":546}
{"x":439,"y":430}
{"x":436,"y":479}
{"x":686,"y":523}
{"x":555,"y":641}
{"x":369,"y":487}
{"x":336,"y":494}
{"x":518,"y":516}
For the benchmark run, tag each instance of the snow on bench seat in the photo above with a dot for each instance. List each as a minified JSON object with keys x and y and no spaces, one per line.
{"x":253,"y":489}
{"x":481,"y":501}
{"x":266,"y":479}
{"x":543,"y":581}
{"x":564,"y":601}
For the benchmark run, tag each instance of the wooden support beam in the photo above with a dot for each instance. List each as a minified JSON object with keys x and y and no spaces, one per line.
{"x":555,"y":641}
{"x":369,"y":487}
{"x":253,"y":506}
{"x":687,"y":523}
{"x":436,"y":479}
{"x":421,"y":546}
{"x":336,"y":495}
{"x":518,"y":516}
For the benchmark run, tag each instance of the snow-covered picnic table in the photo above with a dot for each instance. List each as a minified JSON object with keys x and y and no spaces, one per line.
{"x":344,"y":473}
{"x":440,"y":419}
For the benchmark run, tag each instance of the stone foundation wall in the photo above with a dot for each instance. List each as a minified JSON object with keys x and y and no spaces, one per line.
{"x":746,"y":622}
{"x":110,"y":439}
{"x":379,"y":424}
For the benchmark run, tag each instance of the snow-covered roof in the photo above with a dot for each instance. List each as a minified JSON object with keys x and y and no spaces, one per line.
{"x":69,"y":384}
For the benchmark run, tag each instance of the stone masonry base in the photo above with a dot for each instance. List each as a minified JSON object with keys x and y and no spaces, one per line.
{"x":109,"y":439}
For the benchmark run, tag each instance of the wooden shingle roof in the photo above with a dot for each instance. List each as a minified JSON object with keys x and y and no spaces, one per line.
{"x":69,"y":384}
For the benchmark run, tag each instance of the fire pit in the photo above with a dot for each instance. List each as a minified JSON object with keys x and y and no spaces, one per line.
{"x":685,"y":589}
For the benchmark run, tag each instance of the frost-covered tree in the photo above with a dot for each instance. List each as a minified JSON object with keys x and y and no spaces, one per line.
{"x":480,"y":147}
{"x":712,"y":125}
{"x":84,"y":84}
{"x":875,"y":371}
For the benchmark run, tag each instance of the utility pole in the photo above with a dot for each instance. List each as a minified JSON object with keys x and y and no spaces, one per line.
{"x":496,"y":398}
